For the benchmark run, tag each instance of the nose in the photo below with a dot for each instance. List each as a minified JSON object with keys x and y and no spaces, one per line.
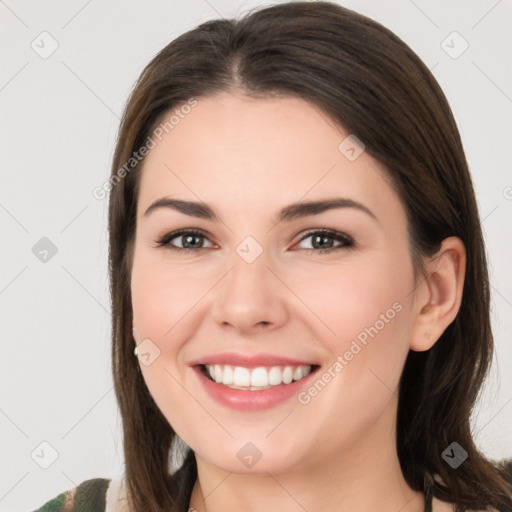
{"x":250,"y":298}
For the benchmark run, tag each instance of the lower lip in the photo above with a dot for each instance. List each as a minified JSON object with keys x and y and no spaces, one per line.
{"x":251,"y":400}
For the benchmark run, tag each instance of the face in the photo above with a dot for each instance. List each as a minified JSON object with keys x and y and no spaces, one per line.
{"x":244,"y":285}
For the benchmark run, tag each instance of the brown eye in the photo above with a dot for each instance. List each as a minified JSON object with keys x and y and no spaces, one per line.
{"x":323,"y":241}
{"x":190,"y":240}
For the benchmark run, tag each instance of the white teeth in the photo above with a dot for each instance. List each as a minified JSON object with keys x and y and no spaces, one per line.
{"x":238,"y":377}
{"x":241,"y":376}
{"x":217,"y":374}
{"x":275,"y":376}
{"x":227,"y":375}
{"x":297,"y":374}
{"x":259,"y":377}
{"x":287,"y":374}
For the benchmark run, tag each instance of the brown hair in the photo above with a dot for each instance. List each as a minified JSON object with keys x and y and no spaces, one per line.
{"x":371,"y":83}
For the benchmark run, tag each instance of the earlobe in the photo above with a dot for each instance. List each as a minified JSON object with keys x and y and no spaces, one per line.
{"x":438,"y":297}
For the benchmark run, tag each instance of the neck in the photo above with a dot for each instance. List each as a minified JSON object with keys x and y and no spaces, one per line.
{"x":364,"y":478}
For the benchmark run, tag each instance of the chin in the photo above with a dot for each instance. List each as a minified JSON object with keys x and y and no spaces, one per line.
{"x":252,"y":458}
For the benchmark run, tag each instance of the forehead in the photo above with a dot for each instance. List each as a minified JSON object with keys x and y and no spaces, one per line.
{"x":258,"y":151}
{"x":248,"y":132}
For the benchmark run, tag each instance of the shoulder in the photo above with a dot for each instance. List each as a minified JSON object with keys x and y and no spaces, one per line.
{"x":89,"y":496}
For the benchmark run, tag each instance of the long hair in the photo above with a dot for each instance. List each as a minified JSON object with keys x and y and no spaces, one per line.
{"x":372,"y":84}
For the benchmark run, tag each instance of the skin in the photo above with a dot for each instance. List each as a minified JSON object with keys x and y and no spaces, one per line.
{"x":247,"y":159}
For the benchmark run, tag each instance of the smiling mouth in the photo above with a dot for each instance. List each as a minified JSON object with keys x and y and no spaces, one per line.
{"x":255,"y":379}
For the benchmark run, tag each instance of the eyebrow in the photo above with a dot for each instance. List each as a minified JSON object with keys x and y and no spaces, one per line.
{"x":286,"y":214}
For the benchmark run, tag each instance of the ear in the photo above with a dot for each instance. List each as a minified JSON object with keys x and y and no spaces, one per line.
{"x":437,"y":297}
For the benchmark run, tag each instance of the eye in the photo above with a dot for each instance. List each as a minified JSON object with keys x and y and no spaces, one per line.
{"x":322,"y":241}
{"x":191,"y":240}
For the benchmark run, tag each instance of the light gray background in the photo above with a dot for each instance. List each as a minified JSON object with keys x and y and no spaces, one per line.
{"x":59,"y":119}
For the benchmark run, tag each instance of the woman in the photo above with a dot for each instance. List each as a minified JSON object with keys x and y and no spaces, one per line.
{"x":296,"y":255}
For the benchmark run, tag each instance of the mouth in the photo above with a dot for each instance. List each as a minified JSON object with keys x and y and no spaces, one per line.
{"x":255,"y":379}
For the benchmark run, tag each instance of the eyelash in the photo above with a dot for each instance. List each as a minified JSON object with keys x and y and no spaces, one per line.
{"x":335,"y":235}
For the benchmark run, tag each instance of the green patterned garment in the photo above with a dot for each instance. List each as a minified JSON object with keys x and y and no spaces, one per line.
{"x":89,"y":496}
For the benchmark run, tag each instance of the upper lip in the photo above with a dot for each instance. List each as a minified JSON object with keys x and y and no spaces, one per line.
{"x":249,"y":361}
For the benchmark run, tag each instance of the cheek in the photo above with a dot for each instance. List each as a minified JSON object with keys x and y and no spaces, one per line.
{"x":362,"y":316}
{"x":162,"y":301}
{"x":161,"y":298}
{"x":361,"y":300}
{"x":167,"y":310}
